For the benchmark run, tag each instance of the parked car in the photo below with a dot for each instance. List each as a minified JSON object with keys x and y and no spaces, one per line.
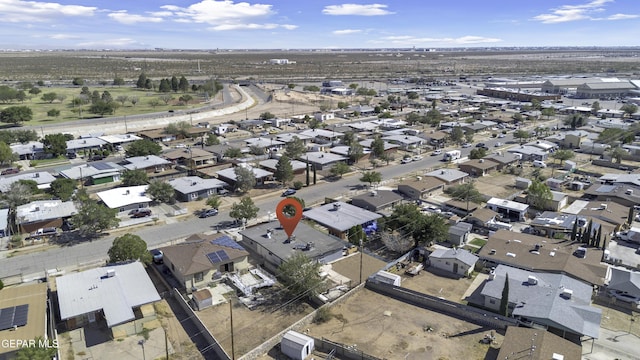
{"x":436,"y":152}
{"x":139,"y":213}
{"x":96,"y":158}
{"x":539,"y":164}
{"x":500,"y":136}
{"x":406,"y":160}
{"x":623,"y":296}
{"x":10,"y":171}
{"x":207,"y":213}
{"x":466,"y":145}
{"x":71,"y":155}
{"x":498,"y":144}
{"x":289,"y":192}
{"x":157,"y":256}
{"x":480,"y":145}
{"x":417,"y":157}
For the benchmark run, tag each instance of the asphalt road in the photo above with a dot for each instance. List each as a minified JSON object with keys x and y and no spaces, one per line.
{"x":35,"y":264}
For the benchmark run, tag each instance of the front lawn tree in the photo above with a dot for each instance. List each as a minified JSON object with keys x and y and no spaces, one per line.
{"x":143,"y":147}
{"x":457,"y":135}
{"x":284,"y":170}
{"x":129,"y":247}
{"x":63,"y":188}
{"x":339,"y":169}
{"x":295,"y":148}
{"x":371,"y":177}
{"x":233,"y":153}
{"x":134,"y":177}
{"x":55,"y":144}
{"x":245,"y":179}
{"x":161,"y":191}
{"x":563,"y":155}
{"x":244,"y":210}
{"x":465,"y":192}
{"x":7,"y":156}
{"x":214,"y":201}
{"x":539,"y":195}
{"x":522,"y":135}
{"x":300,"y":276}
{"x":93,"y":218}
{"x":410,"y":221}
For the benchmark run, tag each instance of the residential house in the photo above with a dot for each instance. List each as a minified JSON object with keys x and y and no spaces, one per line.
{"x":483,"y":217}
{"x":437,"y":139}
{"x":158,"y":135}
{"x":228,"y":175}
{"x":478,"y":167}
{"x":42,"y":179}
{"x":43,"y":213}
{"x":24,"y":314}
{"x":119,"y":139}
{"x":112,"y":296}
{"x":299,"y":167}
{"x":192,"y":188}
{"x":266,"y":144}
{"x":552,"y":224}
{"x":611,"y":215}
{"x":221,"y":129}
{"x":32,"y":150}
{"x":459,"y":262}
{"x":462,"y":208}
{"x":623,"y":194}
{"x":624,"y":280}
{"x":322,"y":160}
{"x":269,"y":243}
{"x":508,"y":209}
{"x":389,"y":148}
{"x":191,"y":157}
{"x":338,"y":217}
{"x":85,"y":145}
{"x":149,"y":163}
{"x":202,"y":259}
{"x":94,"y":173}
{"x":458,"y":233}
{"x":529,"y":153}
{"x":555,"y":301}
{"x":324,"y":116}
{"x":345,"y":151}
{"x":125,"y":198}
{"x":405,"y":142}
{"x":449,"y":176}
{"x":503,"y":159}
{"x":537,"y":344}
{"x":377,"y":200}
{"x":323,"y":136}
{"x":421,"y":187}
{"x":540,"y":254}
{"x":289,"y":137}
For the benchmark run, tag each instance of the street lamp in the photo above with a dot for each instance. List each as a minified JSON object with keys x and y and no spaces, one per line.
{"x":141,"y":343}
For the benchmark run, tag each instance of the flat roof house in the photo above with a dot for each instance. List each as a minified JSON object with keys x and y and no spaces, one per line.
{"x":43,"y":213}
{"x":478,"y":167}
{"x":270,"y":243}
{"x":521,"y":340}
{"x":192,"y":188}
{"x":149,"y":163}
{"x":94,"y":173}
{"x":449,"y":176}
{"x":556,"y":301}
{"x":322,"y":160}
{"x":114,"y":294}
{"x":459,"y":262}
{"x":29,"y":151}
{"x":508,"y":209}
{"x":23,"y":310}
{"x":338,"y":217}
{"x":125,"y":198}
{"x":83,"y":144}
{"x":201,"y":259}
{"x":43,"y":180}
{"x":270,"y":165}
{"x":228,"y":175}
{"x":192,"y":157}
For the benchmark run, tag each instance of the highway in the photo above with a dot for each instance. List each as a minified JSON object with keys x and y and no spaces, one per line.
{"x":34,"y":264}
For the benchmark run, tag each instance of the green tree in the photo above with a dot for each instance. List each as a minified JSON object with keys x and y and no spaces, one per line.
{"x":371,"y":177}
{"x":143,"y":147}
{"x":118,"y":81}
{"x":295,"y":148}
{"x":53,"y":113}
{"x":465,"y":192}
{"x":284,"y":170}
{"x":78,"y":81}
{"x":563,"y":155}
{"x":161,"y":191}
{"x":300,"y":277}
{"x":233,"y":153}
{"x":457,"y":135}
{"x":93,"y":218}
{"x":18,"y":194}
{"x":214,"y":201}
{"x":63,"y":188}
{"x":410,"y":221}
{"x":377,"y":147}
{"x":339,"y":169}
{"x":7,"y":156}
{"x":539,"y":195}
{"x":180,"y":129}
{"x":314,"y":124}
{"x":16,"y":114}
{"x":629,"y":109}
{"x":595,"y":107}
{"x":55,"y":144}
{"x":434,"y":118}
{"x":574,"y":230}
{"x":617,"y":153}
{"x":183,"y":84}
{"x":522,"y":135}
{"x":468,"y":136}
{"x":477,"y":153}
{"x":311,"y":88}
{"x":244,"y":210}
{"x":613,"y":136}
{"x":267,"y":115}
{"x":548,"y":112}
{"x":49,"y":97}
{"x":574,"y":121}
{"x":355,"y":152}
{"x":102,"y":108}
{"x":504,"y":300}
{"x":245,"y":179}
{"x":134,"y":177}
{"x":630,"y":215}
{"x":212,"y":140}
{"x":129,"y":247}
{"x":38,"y":352}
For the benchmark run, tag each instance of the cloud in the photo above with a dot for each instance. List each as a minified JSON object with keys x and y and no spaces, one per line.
{"x":407,"y":40}
{"x":346,"y":32}
{"x":110,"y":43}
{"x":15,"y":11}
{"x":226,"y":27}
{"x":567,"y":13}
{"x":124,"y":17}
{"x":357,"y":9}
{"x":62,"y":36}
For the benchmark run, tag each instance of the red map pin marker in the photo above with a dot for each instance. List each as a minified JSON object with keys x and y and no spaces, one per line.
{"x":287,"y":222}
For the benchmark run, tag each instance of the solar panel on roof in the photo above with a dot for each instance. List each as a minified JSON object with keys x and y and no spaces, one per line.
{"x":102,"y":166}
{"x":222,"y":255}
{"x":213,"y":257}
{"x":13,"y":316}
{"x":6,"y":318}
{"x":20,"y":315}
{"x":228,"y":242}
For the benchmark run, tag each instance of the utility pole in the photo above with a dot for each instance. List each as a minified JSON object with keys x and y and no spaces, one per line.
{"x":233,"y":353}
{"x":361,"y":250}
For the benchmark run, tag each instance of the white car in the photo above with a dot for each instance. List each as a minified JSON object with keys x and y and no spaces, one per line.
{"x":405,"y":161}
{"x":498,"y":144}
{"x":417,"y":157}
{"x":436,"y":152}
{"x":466,"y":145}
{"x":501,"y":136}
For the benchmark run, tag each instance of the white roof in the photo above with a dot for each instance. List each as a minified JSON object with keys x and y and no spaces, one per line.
{"x":92,"y":290}
{"x":90,"y":142}
{"x":144,"y":162}
{"x":42,"y":178}
{"x":123,"y":196}
{"x":230,"y":173}
{"x":119,"y":138}
{"x":44,"y":210}
{"x":508,"y":204}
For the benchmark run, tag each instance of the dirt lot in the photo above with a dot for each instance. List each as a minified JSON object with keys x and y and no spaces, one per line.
{"x":387,"y":328}
{"x":496,"y":184}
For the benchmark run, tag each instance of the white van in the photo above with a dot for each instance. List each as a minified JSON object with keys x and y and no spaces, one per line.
{"x":539,"y":164}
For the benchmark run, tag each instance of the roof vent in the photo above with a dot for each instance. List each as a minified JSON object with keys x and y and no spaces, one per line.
{"x":567,"y":293}
{"x":629,"y":192}
{"x":128,"y":192}
{"x":111,"y":273}
{"x":336,"y":206}
{"x":557,"y":356}
{"x":481,"y":160}
{"x":511,"y":255}
{"x":194,"y":183}
{"x":532,"y":280}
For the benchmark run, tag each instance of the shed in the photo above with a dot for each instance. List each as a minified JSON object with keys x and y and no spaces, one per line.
{"x":296,"y":346}
{"x":201,"y":299}
{"x":570,"y":165}
{"x":388,"y":278}
{"x":523,"y":183}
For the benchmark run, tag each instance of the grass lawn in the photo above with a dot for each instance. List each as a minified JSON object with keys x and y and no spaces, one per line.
{"x":69,"y":113}
{"x":478,"y":242}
